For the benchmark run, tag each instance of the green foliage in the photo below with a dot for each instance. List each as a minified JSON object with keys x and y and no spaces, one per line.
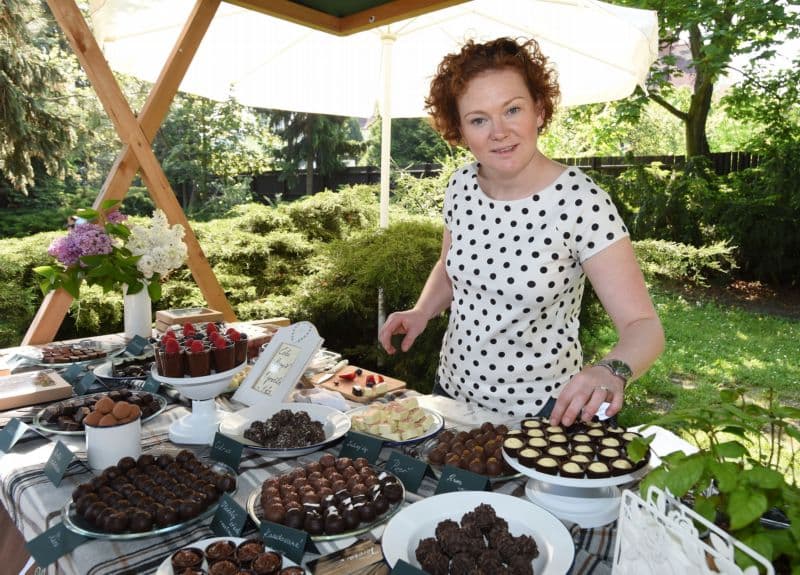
{"x":31,"y":87}
{"x":660,"y":259}
{"x":342,"y":298}
{"x":759,"y":211}
{"x":329,"y":216}
{"x":425,"y":196}
{"x":414,"y":141}
{"x":738,"y":472}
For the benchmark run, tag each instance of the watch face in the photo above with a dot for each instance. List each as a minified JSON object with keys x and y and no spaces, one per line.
{"x":620,"y":367}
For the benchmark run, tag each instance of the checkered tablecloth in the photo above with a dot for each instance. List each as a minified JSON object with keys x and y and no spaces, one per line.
{"x":34,"y":503}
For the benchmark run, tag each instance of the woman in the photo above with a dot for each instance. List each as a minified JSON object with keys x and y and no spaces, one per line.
{"x":521,"y":234}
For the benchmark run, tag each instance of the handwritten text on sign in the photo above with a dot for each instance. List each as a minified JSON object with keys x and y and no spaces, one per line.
{"x":277,"y":369}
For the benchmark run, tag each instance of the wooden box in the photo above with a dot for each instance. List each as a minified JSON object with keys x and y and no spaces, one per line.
{"x":32,"y":387}
{"x":168,"y":317}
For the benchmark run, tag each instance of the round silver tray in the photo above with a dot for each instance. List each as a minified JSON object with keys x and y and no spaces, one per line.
{"x":104,"y":371}
{"x":254,"y":510}
{"x":43,"y":426}
{"x":79,"y":525}
{"x":436,"y":427}
{"x":427,"y":446}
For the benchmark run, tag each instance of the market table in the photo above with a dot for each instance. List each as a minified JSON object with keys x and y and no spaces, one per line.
{"x":34,"y":503}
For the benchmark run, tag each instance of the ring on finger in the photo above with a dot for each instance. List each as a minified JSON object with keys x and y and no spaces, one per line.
{"x":603,"y":388}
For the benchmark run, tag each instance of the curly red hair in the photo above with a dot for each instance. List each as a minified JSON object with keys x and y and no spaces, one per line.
{"x":456,"y":70}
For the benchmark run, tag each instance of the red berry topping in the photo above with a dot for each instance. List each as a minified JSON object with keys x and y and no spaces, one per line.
{"x":188,"y":329}
{"x":172,"y":346}
{"x":233,"y":334}
{"x":197,"y":346}
{"x":211,"y":327}
{"x":170,"y":335}
{"x":220,"y":343}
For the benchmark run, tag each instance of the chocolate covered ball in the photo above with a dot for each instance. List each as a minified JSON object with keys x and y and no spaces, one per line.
{"x":294,"y":518}
{"x":393,"y":492}
{"x":334,"y":524}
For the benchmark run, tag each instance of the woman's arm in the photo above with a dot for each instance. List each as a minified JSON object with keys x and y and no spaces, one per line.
{"x":435,"y":298}
{"x":618,"y":282}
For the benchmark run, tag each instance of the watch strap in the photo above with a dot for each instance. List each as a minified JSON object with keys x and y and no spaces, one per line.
{"x":618,"y":368}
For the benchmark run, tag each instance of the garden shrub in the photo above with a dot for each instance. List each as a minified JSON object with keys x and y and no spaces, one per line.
{"x":328,"y":216}
{"x":260,"y":219}
{"x":660,"y":259}
{"x":342,"y":298}
{"x":760,"y":211}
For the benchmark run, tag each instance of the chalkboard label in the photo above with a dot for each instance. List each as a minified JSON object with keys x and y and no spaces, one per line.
{"x":53,"y":544}
{"x":456,"y":479}
{"x":403,"y":568}
{"x":150,"y":385}
{"x":136,"y":345}
{"x":73,"y":374}
{"x":292,"y":542}
{"x":11,"y":433}
{"x":229,"y":519}
{"x":84,"y":384}
{"x":357,"y":444}
{"x":409,"y":470}
{"x":56,"y":466}
{"x":226,"y":450}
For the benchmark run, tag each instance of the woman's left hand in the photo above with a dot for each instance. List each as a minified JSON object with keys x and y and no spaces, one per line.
{"x":582,"y":396}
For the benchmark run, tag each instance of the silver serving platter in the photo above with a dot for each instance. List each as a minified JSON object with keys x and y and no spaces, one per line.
{"x":79,"y":525}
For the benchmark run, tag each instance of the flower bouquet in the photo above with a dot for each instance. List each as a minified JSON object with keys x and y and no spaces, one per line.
{"x":104,"y":249}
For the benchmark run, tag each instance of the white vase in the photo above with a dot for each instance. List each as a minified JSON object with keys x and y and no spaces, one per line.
{"x":138,"y":314}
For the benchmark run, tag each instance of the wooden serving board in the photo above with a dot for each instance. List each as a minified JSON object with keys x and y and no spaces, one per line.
{"x":345,"y":387}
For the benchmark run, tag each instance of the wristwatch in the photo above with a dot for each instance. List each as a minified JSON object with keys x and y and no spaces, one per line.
{"x":618,"y":368}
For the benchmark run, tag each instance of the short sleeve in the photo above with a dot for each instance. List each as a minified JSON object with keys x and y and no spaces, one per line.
{"x":597,"y":223}
{"x":455,"y":183}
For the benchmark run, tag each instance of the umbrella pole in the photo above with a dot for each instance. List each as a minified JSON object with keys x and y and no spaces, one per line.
{"x":386,"y":147}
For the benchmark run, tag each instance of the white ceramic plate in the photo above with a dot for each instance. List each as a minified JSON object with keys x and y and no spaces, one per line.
{"x":334,"y":424}
{"x":166,"y":567}
{"x":419,"y":520}
{"x":433,"y":429}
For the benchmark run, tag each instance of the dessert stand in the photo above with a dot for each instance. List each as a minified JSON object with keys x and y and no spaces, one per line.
{"x":199,"y":426}
{"x":587,"y":502}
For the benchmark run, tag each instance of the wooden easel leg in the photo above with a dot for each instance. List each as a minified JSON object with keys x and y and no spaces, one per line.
{"x":55,"y":307}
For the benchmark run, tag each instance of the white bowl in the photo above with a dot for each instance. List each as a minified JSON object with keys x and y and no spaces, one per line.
{"x":205,"y":387}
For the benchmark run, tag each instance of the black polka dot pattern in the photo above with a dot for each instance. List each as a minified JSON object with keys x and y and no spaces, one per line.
{"x":515,"y":267}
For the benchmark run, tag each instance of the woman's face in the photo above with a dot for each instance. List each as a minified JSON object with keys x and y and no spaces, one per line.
{"x":500,"y":123}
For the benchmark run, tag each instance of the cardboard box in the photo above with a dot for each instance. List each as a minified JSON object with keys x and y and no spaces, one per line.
{"x":32,"y":387}
{"x":168,"y":317}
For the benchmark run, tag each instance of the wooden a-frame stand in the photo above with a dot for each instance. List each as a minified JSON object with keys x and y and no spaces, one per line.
{"x":136,"y":152}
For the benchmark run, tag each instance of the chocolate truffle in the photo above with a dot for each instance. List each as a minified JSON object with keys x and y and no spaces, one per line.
{"x":225,"y":549}
{"x":188,"y":557}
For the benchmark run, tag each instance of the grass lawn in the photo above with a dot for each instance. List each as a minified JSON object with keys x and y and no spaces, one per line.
{"x":710,"y":346}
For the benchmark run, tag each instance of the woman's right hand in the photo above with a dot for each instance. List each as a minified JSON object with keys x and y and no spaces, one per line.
{"x":411,"y":322}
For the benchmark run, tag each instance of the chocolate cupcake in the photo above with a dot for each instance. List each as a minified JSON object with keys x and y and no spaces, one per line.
{"x":528,"y":456}
{"x":513,"y":445}
{"x":224,"y":567}
{"x":571,"y":469}
{"x":186,"y":558}
{"x":547,"y":464}
{"x":225,"y":549}
{"x":538,"y":443}
{"x":598,"y":470}
{"x":608,"y":454}
{"x":268,"y":563}
{"x":249,"y":550}
{"x":621,"y":466}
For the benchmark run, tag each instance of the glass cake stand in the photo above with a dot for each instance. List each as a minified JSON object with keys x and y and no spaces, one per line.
{"x":587,"y":502}
{"x":200,"y":426}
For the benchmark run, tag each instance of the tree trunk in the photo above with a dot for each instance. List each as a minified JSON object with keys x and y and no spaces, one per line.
{"x":309,"y":173}
{"x":700,"y":104}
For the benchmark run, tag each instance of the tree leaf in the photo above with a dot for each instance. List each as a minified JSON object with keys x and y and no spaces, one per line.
{"x":729,"y":450}
{"x":764,"y":477}
{"x":744,"y":507}
{"x":637,"y":448}
{"x":706,"y":506}
{"x":729,"y":395}
{"x":685,"y":475}
{"x":736,"y":430}
{"x":725,"y":474}
{"x":761,"y":543}
{"x":154,"y":289}
{"x":108,"y":204}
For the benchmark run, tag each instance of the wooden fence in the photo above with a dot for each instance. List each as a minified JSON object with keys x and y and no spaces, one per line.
{"x":269,"y":184}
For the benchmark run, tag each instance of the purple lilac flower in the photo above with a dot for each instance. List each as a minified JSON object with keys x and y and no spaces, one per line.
{"x":116,"y":217}
{"x":82,"y":240}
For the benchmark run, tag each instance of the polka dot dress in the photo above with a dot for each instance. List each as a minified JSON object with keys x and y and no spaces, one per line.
{"x":515,"y":267}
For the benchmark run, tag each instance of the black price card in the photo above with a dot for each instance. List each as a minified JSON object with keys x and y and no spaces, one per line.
{"x":84,"y":384}
{"x":11,"y":433}
{"x":150,"y":385}
{"x":136,"y":345}
{"x":56,"y":466}
{"x":74,"y":373}
{"x":403,"y":568}
{"x":409,"y":470}
{"x":456,"y":479}
{"x":53,"y":544}
{"x":357,"y":444}
{"x":226,"y":450}
{"x":229,"y":519}
{"x":292,"y":542}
